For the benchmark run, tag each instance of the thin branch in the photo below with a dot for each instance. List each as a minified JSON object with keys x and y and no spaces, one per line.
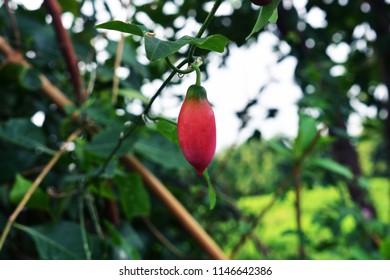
{"x":35,"y":185}
{"x":118,"y":59}
{"x":280,"y":189}
{"x":204,"y":26}
{"x":298,"y":209}
{"x":14,"y":24}
{"x":94,"y":214}
{"x":84,"y":236}
{"x":66,"y":47}
{"x":160,"y":237}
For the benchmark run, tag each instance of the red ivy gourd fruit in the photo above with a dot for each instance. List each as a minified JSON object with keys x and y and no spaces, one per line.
{"x":196,"y":129}
{"x":261,"y":2}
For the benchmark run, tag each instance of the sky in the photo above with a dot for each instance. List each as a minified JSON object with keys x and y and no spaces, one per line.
{"x":231,"y":87}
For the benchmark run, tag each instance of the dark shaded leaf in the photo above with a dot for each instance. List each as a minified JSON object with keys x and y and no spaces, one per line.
{"x":157,"y":49}
{"x":24,"y":133}
{"x":133,"y":197}
{"x":58,"y":241}
{"x":333,"y":166}
{"x":123,"y":249}
{"x":159,"y":150}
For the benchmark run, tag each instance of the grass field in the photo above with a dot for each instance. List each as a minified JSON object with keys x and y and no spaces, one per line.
{"x":278,"y":228}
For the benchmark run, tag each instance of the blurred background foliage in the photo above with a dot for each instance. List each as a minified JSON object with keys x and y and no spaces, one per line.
{"x":341,"y":181}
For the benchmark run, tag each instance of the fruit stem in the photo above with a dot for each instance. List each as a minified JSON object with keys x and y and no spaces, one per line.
{"x":204,"y":26}
{"x":195,"y":66}
{"x":174,"y":68}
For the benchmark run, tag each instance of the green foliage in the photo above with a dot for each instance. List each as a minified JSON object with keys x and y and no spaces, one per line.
{"x":212,"y":194}
{"x":88,"y":206}
{"x":58,"y":241}
{"x":132,"y":195}
{"x":157,"y":49}
{"x":23,"y":133}
{"x":134,"y":29}
{"x":39,"y":199}
{"x":321,"y":222}
{"x":307,"y":130}
{"x":333,"y":166}
{"x":267,"y":13}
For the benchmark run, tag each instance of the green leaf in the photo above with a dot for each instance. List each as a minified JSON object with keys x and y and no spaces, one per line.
{"x":334,"y":167}
{"x":133,"y":94}
{"x":58,"y":241}
{"x":123,"y":249}
{"x":274,"y":16}
{"x":103,"y":189}
{"x":306,"y":132}
{"x":24,"y":133}
{"x":363,"y":182}
{"x":105,"y":141}
{"x":385,"y":248}
{"x":279,"y":148}
{"x":168,"y":129}
{"x":10,"y":72}
{"x":157,"y":49}
{"x":212,"y":195}
{"x":159,"y":150}
{"x":29,"y":79}
{"x":133,"y":197}
{"x":70,"y":6}
{"x":266,"y":14}
{"x":134,"y":29}
{"x":39,"y":199}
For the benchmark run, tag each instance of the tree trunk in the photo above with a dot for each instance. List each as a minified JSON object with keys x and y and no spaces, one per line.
{"x":345,"y":153}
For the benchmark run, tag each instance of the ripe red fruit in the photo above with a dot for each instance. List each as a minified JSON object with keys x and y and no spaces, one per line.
{"x":196,"y":129}
{"x":261,"y":2}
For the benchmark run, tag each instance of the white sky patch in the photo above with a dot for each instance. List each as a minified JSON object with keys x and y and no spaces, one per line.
{"x":381,"y":93}
{"x":225,"y":9}
{"x":316,"y":18}
{"x":364,"y":31}
{"x":122,"y":72}
{"x":66,"y":19}
{"x":30,"y":5}
{"x":337,"y":70}
{"x":38,"y":118}
{"x":338,"y":52}
{"x":170,"y":8}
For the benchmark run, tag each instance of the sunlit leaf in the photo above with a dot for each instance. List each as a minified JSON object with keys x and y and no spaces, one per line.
{"x":133,"y":94}
{"x":306,"y":132}
{"x":134,"y":29}
{"x":38,"y":200}
{"x":266,"y":14}
{"x":168,"y":129}
{"x":212,"y":195}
